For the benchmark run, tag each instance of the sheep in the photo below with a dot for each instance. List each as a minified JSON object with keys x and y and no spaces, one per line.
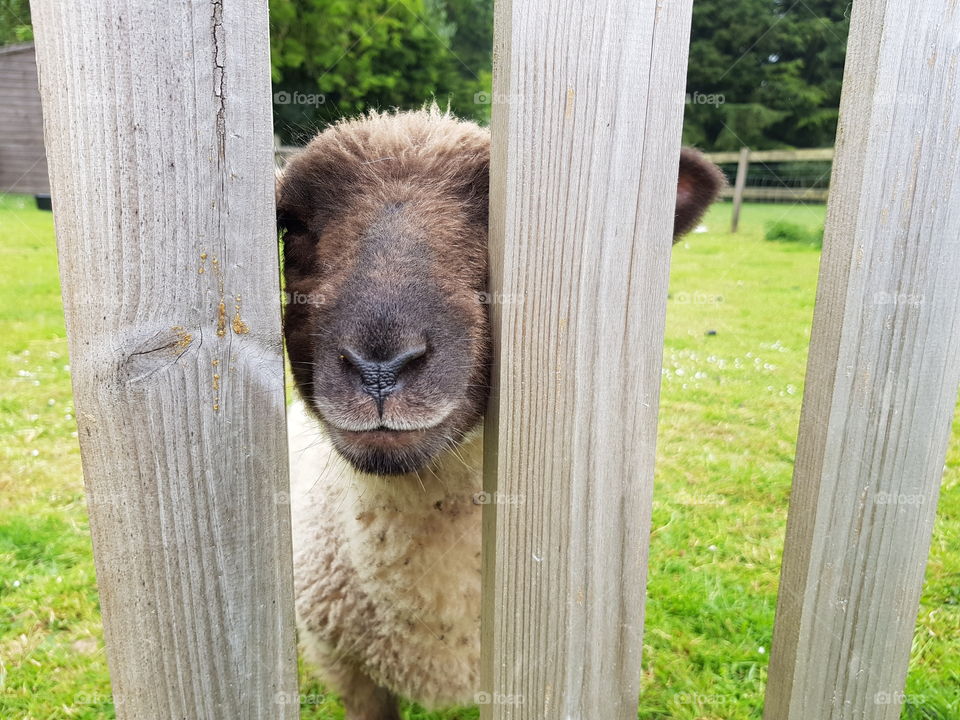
{"x":385,"y":259}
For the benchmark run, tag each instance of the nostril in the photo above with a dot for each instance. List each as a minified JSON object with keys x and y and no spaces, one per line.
{"x":380,"y":377}
{"x":352,"y":357}
{"x":404,"y":358}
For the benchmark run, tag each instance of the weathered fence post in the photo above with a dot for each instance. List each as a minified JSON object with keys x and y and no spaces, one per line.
{"x":883,"y":372}
{"x":743,"y":166}
{"x":588,"y":102}
{"x":158,"y":130}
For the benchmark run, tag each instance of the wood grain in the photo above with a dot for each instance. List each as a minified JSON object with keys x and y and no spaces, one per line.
{"x":158,"y":129}
{"x":883,"y":373}
{"x":587,"y":107}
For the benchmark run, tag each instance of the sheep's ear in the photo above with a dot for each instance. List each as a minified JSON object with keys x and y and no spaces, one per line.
{"x":698,"y":184}
{"x":314,"y":183}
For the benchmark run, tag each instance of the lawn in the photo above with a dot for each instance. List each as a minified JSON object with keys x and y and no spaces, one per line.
{"x":737,"y":332}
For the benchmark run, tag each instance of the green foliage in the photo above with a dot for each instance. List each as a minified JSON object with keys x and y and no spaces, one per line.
{"x":335,"y":58}
{"x":763,"y":73}
{"x":776,"y":65}
{"x":473,"y":32}
{"x":790,"y":232}
{"x":15,"y":22}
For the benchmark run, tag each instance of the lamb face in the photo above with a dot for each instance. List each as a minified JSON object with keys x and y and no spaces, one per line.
{"x":388,"y":336}
{"x":386,"y":271}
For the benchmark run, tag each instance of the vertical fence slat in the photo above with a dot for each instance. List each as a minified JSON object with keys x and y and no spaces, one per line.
{"x":588,"y":102}
{"x":743,"y":167}
{"x":158,"y":130}
{"x":883,"y":373}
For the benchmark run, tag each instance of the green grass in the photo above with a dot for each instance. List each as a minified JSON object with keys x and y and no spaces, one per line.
{"x":738,"y":327}
{"x":786,"y":231}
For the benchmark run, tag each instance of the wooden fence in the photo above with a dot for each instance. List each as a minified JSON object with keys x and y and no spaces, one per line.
{"x":158,"y":131}
{"x":158,"y":128}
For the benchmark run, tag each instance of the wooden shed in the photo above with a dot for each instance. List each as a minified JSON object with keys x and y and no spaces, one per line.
{"x":23,"y":163}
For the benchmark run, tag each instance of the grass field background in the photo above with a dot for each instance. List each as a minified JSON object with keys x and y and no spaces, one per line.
{"x":737,"y":333}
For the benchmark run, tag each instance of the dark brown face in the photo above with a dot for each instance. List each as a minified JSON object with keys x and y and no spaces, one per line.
{"x":385,"y":252}
{"x":386,"y":270}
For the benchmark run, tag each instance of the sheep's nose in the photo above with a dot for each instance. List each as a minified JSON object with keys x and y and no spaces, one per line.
{"x":379,"y":378}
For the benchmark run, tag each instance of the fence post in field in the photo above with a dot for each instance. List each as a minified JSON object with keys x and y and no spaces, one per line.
{"x":158,"y":130}
{"x":883,"y":373}
{"x":588,"y":103}
{"x":743,"y":165}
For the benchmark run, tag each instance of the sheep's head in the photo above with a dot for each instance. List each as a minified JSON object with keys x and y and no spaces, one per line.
{"x":385,"y":257}
{"x":386,"y":268}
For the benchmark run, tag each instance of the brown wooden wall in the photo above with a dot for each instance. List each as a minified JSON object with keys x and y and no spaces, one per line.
{"x":23,"y":164}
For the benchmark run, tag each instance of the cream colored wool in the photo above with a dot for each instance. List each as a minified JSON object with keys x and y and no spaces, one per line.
{"x":387,"y":569}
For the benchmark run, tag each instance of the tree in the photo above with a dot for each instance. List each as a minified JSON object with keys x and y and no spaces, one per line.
{"x":15,"y":22}
{"x":763,"y":73}
{"x":334,"y":58}
{"x":773,"y":69}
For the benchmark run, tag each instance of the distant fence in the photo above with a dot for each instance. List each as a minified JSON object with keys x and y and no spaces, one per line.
{"x":780,"y":189}
{"x":165,"y":228}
